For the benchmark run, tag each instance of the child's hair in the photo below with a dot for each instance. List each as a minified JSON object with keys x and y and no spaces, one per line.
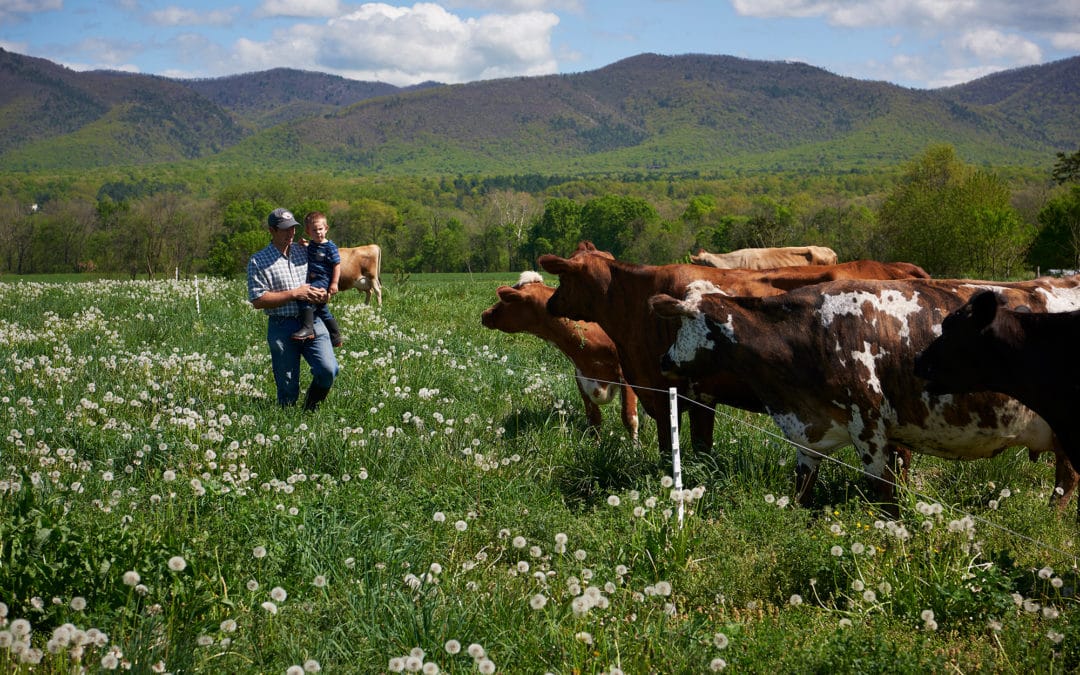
{"x":311,"y":217}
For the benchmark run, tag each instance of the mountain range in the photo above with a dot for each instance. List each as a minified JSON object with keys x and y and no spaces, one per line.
{"x":688,"y":113}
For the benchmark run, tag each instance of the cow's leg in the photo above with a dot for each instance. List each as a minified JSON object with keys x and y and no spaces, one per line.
{"x":880,"y":463}
{"x":901,"y":459}
{"x":702,"y":423}
{"x":592,"y":410}
{"x":629,"y":410}
{"x":806,"y":472}
{"x":1065,"y":478}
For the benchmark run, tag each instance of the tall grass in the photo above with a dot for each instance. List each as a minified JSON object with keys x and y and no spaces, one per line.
{"x":447,"y":510}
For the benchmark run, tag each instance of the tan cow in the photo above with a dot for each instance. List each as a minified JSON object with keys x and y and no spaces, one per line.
{"x":522,"y":308}
{"x":360,"y":269}
{"x":766,"y":258}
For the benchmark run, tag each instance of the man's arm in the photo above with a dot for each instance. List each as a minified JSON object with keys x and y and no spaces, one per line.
{"x":306,"y":292}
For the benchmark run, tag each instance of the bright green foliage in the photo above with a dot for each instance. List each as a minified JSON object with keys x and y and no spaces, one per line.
{"x":613,"y":222}
{"x":1067,"y":167}
{"x":1057,"y":245}
{"x":953,"y":219}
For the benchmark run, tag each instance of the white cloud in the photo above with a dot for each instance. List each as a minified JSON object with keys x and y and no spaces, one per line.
{"x":1066,"y":41}
{"x":300,"y":8}
{"x":955,"y":76}
{"x":990,"y":44}
{"x":408,"y":45}
{"x":14,"y":10}
{"x":180,"y":16}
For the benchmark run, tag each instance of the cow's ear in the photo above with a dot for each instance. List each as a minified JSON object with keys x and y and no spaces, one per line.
{"x":507,"y":294}
{"x":984,"y":307}
{"x":667,"y":307}
{"x":553,"y":263}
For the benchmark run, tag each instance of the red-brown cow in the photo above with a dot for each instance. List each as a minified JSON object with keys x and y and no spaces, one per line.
{"x":766,"y":258}
{"x":834,"y":365}
{"x":615,"y":294}
{"x":360,"y":269}
{"x":1032,"y":356}
{"x":522,"y":308}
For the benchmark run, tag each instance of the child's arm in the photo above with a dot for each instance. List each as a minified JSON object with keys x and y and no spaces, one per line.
{"x":335,"y":275}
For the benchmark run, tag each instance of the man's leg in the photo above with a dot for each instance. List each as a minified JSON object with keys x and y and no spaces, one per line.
{"x":284,"y":358}
{"x":319,"y":354}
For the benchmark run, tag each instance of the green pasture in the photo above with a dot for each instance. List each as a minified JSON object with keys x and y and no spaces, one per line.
{"x":447,"y":511}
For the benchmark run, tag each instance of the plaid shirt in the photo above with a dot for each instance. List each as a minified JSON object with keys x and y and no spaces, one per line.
{"x":268,"y":270}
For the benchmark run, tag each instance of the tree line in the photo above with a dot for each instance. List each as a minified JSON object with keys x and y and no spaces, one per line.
{"x":952,"y":218}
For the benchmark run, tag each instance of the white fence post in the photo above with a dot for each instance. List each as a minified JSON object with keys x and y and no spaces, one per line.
{"x":198,"y":307}
{"x":676,"y":459}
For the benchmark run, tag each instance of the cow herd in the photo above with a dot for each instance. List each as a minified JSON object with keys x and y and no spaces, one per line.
{"x":874,"y":355}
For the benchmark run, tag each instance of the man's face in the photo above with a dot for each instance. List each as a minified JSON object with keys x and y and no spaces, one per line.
{"x":282,"y":237}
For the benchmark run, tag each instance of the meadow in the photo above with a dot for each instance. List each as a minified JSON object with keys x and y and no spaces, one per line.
{"x":447,"y":511}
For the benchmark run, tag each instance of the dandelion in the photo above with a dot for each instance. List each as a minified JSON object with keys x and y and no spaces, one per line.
{"x":228,"y":626}
{"x":204,"y":641}
{"x":485,"y":666}
{"x":461,"y":526}
{"x":857,"y":548}
{"x":1055,"y":636}
{"x":439,"y":517}
{"x":613,"y":500}
{"x":452,"y":647}
{"x":931,"y":625}
{"x":1056,"y":582}
{"x":519,"y":542}
{"x":131,"y":578}
{"x":278,"y":594}
{"x":430,"y":668}
{"x":663,"y":588}
{"x":20,"y":628}
{"x":396,"y":665}
{"x":476,"y":651}
{"x":1046,"y":573}
{"x":1031,"y":606}
{"x":252,"y":585}
{"x":294,"y":670}
{"x":258,"y":552}
{"x":269,"y":607}
{"x":845,"y":623}
{"x":319,"y":581}
{"x":795,"y":600}
{"x":78,"y":603}
{"x":927,"y":615}
{"x":857,"y":585}
{"x":584,"y":637}
{"x":717,"y":664}
{"x":869,"y":596}
{"x":836,"y":551}
{"x":720,"y":641}
{"x":770,"y":498}
{"x":177,"y":564}
{"x":580,"y":554}
{"x":538,"y":601}
{"x":413,"y":664}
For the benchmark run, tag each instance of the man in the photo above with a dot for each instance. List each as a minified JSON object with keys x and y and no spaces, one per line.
{"x":277,"y":283}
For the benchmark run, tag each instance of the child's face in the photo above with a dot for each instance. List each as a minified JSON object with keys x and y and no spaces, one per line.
{"x":316,"y":231}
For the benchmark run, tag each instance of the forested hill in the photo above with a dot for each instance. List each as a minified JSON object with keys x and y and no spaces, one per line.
{"x":646,"y":113}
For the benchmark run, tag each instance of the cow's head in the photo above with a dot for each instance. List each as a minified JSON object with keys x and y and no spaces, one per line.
{"x":958,"y":360}
{"x":521,"y":307}
{"x":583,"y":278}
{"x":691,"y":351}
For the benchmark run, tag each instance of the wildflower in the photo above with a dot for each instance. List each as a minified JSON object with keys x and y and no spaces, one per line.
{"x":1056,"y":582}
{"x":430,"y":668}
{"x":869,"y":596}
{"x":452,"y":647}
{"x":461,"y":526}
{"x":720,"y":641}
{"x":204,"y":641}
{"x":252,"y":585}
{"x":1055,"y":636}
{"x":836,"y":551}
{"x":580,"y":554}
{"x":667,"y":481}
{"x":857,"y":548}
{"x":78,"y":603}
{"x":1046,"y":573}
{"x":845,"y":623}
{"x":278,"y":594}
{"x":584,"y":637}
{"x":931,"y":625}
{"x":519,"y":542}
{"x":717,"y":665}
{"x":613,"y":500}
{"x":319,"y":581}
{"x":476,"y":651}
{"x":1031,"y":606}
{"x":396,"y":665}
{"x":857,"y":585}
{"x":663,"y":588}
{"x":413,"y":664}
{"x":795,"y":600}
{"x":131,"y":578}
{"x":770,"y":498}
{"x":20,"y":628}
{"x":294,"y":670}
{"x":177,"y":564}
{"x":228,"y":626}
{"x":439,"y":517}
{"x":269,"y":607}
{"x":485,"y":666}
{"x":538,"y":601}
{"x":994,"y":625}
{"x":927,"y":615}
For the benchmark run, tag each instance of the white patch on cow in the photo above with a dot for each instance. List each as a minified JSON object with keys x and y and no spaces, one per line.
{"x":529,"y":277}
{"x":599,"y":393}
{"x":890,"y":303}
{"x":693,"y":336}
{"x":939,"y":435}
{"x":866,"y":358}
{"x":1060,"y":299}
{"x":695,"y":290}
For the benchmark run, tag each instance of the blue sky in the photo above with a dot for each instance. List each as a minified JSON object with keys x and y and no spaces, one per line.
{"x":914,"y":43}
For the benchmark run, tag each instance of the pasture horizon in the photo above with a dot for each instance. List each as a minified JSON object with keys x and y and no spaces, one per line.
{"x":449,"y":498}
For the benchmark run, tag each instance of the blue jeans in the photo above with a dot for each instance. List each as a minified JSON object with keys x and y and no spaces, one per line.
{"x":285,"y":356}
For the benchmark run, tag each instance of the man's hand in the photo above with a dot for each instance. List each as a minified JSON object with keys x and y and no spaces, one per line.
{"x":309,"y":293}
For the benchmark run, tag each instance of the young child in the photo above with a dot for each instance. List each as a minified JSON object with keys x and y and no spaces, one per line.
{"x":324,"y":269}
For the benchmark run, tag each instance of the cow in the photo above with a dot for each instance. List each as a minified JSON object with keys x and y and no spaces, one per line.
{"x":522,"y":308}
{"x":833,"y":365}
{"x":766,"y":258}
{"x":986,"y":346}
{"x":360,"y":269}
{"x":593,"y":286}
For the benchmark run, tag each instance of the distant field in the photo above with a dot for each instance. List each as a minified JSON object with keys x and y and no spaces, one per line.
{"x":447,"y":510}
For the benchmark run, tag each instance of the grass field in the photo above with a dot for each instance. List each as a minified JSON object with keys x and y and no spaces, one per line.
{"x":447,"y":510}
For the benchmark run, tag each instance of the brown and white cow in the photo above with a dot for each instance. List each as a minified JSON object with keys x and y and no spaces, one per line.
{"x":593,"y":286}
{"x":766,"y":258}
{"x":522,"y":308}
{"x":360,"y":269}
{"x":834,"y":365}
{"x":1032,"y":356}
